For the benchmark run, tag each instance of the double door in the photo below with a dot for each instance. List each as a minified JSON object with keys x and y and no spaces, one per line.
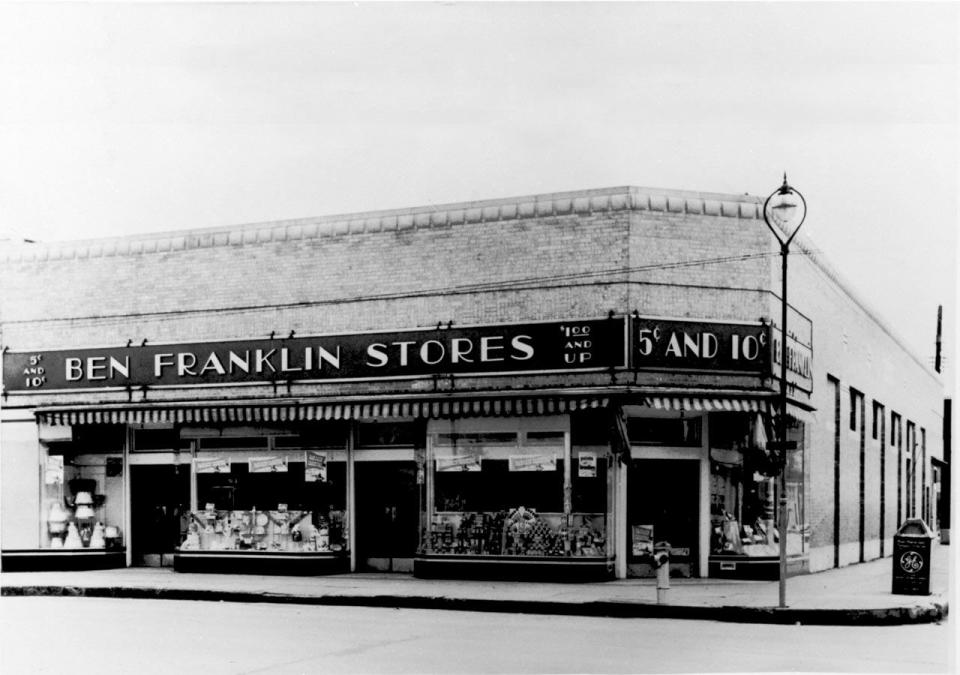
{"x":388,"y":515}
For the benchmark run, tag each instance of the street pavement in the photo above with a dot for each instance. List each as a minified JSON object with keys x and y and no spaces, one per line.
{"x":856,"y":594}
{"x":103,"y":636}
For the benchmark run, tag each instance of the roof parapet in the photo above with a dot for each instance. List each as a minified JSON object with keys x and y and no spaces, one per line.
{"x":582,"y":202}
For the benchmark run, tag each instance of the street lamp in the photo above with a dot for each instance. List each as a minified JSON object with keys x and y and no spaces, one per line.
{"x":784,"y":212}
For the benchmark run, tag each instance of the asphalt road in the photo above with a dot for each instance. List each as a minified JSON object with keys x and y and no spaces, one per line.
{"x":76,"y":636}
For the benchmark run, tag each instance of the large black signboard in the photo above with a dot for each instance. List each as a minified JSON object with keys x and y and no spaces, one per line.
{"x":514,"y":348}
{"x":677,"y":344}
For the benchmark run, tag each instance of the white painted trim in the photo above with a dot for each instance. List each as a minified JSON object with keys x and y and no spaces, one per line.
{"x":382,"y":455}
{"x":666,"y":452}
{"x":9,"y":415}
{"x":127,"y":499}
{"x":620,"y":487}
{"x":567,"y":479}
{"x":352,"y":497}
{"x":152,"y":458}
{"x":194,"y":492}
{"x":704,"y":515}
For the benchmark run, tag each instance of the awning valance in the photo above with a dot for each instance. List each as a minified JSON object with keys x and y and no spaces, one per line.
{"x":707,"y":404}
{"x":310,"y":412}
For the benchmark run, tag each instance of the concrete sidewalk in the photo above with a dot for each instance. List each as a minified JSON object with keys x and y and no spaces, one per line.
{"x":858,"y":594}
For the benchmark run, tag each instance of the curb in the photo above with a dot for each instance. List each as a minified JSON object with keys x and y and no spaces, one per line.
{"x":933,"y":612}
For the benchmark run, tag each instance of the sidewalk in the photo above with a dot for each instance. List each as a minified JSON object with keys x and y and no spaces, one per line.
{"x":858,"y":594}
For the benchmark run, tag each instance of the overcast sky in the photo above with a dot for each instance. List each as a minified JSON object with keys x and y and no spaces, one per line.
{"x":137,"y":118}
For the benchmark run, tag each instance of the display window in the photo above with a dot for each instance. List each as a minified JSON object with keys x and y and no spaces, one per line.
{"x":493,"y":490}
{"x":268,"y":494}
{"x":82,"y":493}
{"x":744,"y":488}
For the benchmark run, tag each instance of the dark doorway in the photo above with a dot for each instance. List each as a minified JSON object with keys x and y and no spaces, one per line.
{"x":159,"y":496}
{"x":388,"y":513}
{"x":665,"y":493}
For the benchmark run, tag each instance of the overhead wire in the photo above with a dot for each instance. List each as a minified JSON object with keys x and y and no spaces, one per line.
{"x":582,"y":278}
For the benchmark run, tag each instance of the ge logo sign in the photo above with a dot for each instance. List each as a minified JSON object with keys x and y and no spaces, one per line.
{"x":911,"y":562}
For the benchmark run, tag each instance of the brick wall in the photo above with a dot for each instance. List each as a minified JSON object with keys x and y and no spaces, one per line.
{"x":850,"y":345}
{"x":318,"y":285}
{"x":723,"y":287}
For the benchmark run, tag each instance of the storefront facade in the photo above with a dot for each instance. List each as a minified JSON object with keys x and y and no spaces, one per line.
{"x":532,"y":388}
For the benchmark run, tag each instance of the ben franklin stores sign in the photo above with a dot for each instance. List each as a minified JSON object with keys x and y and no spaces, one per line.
{"x":546,"y":347}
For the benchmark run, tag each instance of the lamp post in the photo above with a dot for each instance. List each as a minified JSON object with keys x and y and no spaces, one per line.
{"x":784,"y":212}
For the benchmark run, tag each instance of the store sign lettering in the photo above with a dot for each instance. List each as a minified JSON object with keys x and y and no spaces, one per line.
{"x":476,"y":350}
{"x":488,"y":349}
{"x":701,"y":345}
{"x":547,"y":347}
{"x":799,"y":361}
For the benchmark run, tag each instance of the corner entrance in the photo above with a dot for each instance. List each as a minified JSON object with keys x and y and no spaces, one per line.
{"x":388,"y":513}
{"x":664,"y":494}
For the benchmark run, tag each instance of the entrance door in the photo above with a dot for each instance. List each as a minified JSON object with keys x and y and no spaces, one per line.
{"x":665,"y":493}
{"x":159,"y":495}
{"x":388,"y":515}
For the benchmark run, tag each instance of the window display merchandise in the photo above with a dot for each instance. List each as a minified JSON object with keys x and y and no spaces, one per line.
{"x":744,"y":498}
{"x":279,"y":500}
{"x":81,"y":501}
{"x":79,"y":505}
{"x":289,"y":531}
{"x":500,"y":496}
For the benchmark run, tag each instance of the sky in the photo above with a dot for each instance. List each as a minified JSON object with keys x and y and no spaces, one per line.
{"x":136,"y":118}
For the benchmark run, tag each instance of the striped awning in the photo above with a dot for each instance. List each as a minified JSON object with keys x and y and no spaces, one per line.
{"x":708,"y":404}
{"x":309,"y":412}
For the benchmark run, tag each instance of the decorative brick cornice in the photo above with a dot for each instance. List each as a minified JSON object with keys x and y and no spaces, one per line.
{"x":582,"y":202}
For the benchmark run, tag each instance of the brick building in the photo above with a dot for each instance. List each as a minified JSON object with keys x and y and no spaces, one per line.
{"x":534,"y":386}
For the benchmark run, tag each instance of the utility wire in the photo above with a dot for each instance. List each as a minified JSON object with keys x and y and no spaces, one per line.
{"x":595,"y":277}
{"x":498,"y":285}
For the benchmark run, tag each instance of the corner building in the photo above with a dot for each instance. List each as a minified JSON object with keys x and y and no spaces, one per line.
{"x":541,"y":387}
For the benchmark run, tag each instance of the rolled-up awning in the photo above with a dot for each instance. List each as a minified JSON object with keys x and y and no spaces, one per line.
{"x":309,"y":412}
{"x":707,"y":403}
